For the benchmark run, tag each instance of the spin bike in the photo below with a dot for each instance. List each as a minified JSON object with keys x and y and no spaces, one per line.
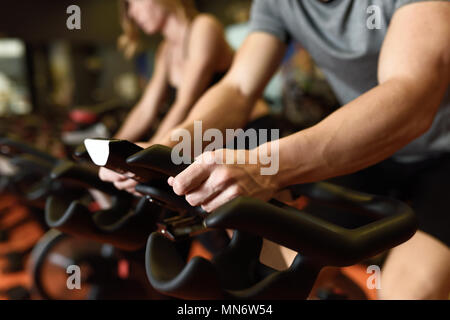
{"x":236,"y":272}
{"x":54,"y":185}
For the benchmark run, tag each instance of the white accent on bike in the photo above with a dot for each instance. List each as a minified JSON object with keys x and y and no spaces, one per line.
{"x":98,"y":150}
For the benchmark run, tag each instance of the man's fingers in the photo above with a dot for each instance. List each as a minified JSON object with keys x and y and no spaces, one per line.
{"x":191,"y":178}
{"x":127,"y":184}
{"x":110,"y":176}
{"x":202,"y":194}
{"x":218,"y":181}
{"x":134,"y":192}
{"x":227,"y":195}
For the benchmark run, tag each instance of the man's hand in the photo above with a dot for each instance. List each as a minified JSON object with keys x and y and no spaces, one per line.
{"x":210,"y":182}
{"x":120,"y":181}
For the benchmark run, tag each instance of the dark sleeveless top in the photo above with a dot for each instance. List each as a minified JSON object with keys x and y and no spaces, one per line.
{"x":216,"y":76}
{"x":172,"y":93}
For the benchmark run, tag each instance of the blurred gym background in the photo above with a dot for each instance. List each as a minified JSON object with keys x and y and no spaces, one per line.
{"x":49,"y":73}
{"x":47,"y":69}
{"x":59,"y":86}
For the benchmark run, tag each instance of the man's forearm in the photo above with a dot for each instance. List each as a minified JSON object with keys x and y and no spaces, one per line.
{"x":361,"y":133}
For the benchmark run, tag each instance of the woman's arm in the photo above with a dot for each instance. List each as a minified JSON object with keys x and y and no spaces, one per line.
{"x":140,"y":118}
{"x":207,"y":52}
{"x":144,"y":113}
{"x":228,"y":105}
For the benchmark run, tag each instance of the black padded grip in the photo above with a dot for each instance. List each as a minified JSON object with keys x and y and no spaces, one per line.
{"x":81,"y":153}
{"x":165,"y":195}
{"x":167,"y":272}
{"x":82,"y":176}
{"x":32,"y":163}
{"x":315,"y":237}
{"x":157,"y":158}
{"x":127,"y":231}
{"x":119,"y":151}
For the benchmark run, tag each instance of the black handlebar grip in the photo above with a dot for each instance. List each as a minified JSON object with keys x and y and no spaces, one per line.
{"x":157,"y":158}
{"x":11,"y":147}
{"x":315,"y":237}
{"x":74,"y":218}
{"x":112,"y":154}
{"x":81,"y":176}
{"x":81,"y":153}
{"x":30,"y":162}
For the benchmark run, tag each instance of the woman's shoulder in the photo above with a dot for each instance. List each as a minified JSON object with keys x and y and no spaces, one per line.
{"x":207,"y":24}
{"x":162,"y":53}
{"x":207,"y":40}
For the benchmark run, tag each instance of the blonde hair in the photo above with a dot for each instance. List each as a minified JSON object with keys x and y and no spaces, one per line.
{"x":128,"y":41}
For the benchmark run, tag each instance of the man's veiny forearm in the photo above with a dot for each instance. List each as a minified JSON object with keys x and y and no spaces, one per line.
{"x":361,"y":133}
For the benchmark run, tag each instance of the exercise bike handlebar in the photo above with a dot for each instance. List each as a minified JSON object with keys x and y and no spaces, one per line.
{"x":157,"y":158}
{"x":11,"y":147}
{"x":111,"y":154}
{"x":81,"y":176}
{"x":392,"y":221}
{"x":299,"y":230}
{"x":32,"y":162}
{"x":317,"y":238}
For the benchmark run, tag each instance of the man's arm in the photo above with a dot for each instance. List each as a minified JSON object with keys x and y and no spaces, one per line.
{"x":228,"y":104}
{"x":413,"y":78}
{"x":414,"y":70}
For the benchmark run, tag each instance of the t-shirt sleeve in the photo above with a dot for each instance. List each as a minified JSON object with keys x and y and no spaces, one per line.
{"x":265,"y":17}
{"x":401,"y":3}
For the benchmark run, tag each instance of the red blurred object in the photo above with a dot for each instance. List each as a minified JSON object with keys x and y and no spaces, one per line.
{"x":83,"y":116}
{"x":123,"y":269}
{"x":94,"y":206}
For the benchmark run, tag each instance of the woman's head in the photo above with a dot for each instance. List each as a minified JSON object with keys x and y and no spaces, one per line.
{"x":150,"y":16}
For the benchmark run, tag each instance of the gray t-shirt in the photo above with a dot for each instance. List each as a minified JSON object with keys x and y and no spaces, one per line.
{"x":337,"y":36}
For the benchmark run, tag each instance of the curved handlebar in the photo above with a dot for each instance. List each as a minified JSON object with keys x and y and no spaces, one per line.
{"x":112,"y":154}
{"x":315,"y":237}
{"x":392,"y":221}
{"x":82,"y":176}
{"x":156,"y":158}
{"x":32,"y":163}
{"x":11,"y":147}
